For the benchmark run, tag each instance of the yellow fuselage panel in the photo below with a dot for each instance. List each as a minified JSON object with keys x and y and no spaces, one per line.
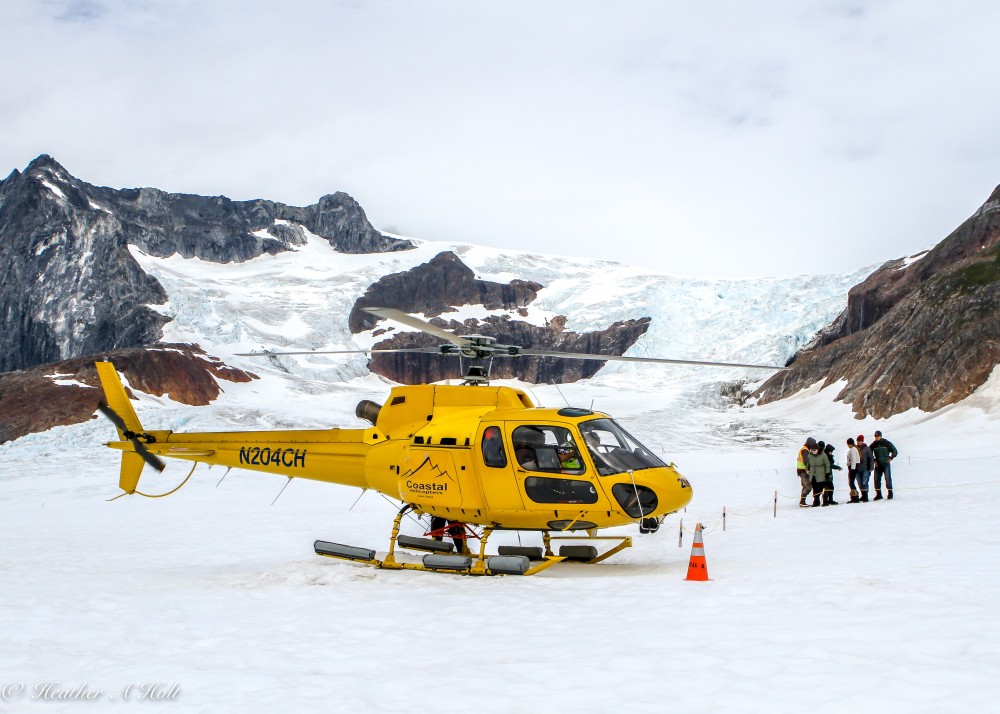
{"x":412,"y":408}
{"x":606,"y":513}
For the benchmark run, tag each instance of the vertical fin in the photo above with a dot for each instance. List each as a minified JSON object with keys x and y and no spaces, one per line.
{"x":132,"y":465}
{"x":117,"y":399}
{"x":116,"y":396}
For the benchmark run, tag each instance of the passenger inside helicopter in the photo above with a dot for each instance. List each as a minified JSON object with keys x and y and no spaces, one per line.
{"x":614,"y":450}
{"x":551,"y":449}
{"x":546,"y":448}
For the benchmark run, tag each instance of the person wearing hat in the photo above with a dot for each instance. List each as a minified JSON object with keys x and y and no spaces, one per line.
{"x":802,"y":471}
{"x":884,"y":452}
{"x":818,"y":465}
{"x":865,"y":466}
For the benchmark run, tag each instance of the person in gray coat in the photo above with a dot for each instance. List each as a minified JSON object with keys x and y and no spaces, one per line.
{"x":818,"y":466}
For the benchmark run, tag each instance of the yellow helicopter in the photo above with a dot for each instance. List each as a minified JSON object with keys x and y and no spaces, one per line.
{"x":475,"y":458}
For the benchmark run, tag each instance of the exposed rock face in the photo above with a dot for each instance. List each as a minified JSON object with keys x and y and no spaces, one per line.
{"x":68,"y":392}
{"x":411,"y":368}
{"x":435,"y":287}
{"x":221,"y":230}
{"x":923,"y":335}
{"x":70,"y":286}
{"x":444,"y":282}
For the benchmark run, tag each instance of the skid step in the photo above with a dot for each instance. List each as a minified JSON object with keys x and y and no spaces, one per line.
{"x":347,"y":552}
{"x":508,"y":564}
{"x":578,"y":552}
{"x":530,"y":553}
{"x":428,"y":544}
{"x":435,"y":561}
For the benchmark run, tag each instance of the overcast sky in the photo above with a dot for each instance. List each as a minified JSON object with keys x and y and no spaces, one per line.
{"x":700,"y":138}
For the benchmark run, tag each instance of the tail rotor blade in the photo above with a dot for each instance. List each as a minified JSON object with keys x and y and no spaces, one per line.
{"x":113,"y":416}
{"x":148,"y":456}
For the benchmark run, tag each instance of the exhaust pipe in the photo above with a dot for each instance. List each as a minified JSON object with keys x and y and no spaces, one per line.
{"x":368,"y":410}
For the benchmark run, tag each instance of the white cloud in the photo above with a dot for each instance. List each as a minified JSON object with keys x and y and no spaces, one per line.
{"x":710,"y":139}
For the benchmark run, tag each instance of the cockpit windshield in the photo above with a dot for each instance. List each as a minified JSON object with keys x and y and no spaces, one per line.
{"x":614,"y":450}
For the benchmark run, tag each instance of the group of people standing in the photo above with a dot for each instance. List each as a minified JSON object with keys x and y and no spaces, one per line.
{"x":815,"y":467}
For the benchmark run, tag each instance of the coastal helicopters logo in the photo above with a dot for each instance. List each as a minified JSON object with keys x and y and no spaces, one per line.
{"x":431,"y":482}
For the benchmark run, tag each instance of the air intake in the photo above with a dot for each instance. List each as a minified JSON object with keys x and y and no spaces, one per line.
{"x":368,"y":410}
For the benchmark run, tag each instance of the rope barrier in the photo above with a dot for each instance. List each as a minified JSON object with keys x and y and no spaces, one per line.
{"x":773,"y":502}
{"x":970,"y":458}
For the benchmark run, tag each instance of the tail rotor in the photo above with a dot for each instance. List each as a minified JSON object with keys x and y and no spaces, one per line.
{"x":134,"y":438}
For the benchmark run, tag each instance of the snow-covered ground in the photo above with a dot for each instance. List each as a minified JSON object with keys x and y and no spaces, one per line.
{"x":214,"y":596}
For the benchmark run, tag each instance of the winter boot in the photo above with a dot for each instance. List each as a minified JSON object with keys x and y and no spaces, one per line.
{"x":854,"y":497}
{"x":802,"y":503}
{"x":878,"y":495}
{"x":815,"y":501}
{"x":888,"y":494}
{"x":864,"y":495}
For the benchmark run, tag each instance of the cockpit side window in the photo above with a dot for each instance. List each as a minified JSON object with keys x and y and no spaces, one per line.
{"x":493,"y":452}
{"x":551,"y":449}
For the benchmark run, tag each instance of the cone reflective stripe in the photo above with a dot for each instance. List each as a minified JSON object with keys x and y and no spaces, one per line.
{"x":697,"y":567}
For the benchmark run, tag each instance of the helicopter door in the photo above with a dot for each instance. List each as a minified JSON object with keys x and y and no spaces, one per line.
{"x":496,"y":469}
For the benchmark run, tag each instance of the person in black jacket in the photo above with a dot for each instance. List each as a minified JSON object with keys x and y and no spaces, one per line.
{"x":884,"y":452}
{"x":853,"y":459}
{"x":864,"y":467}
{"x":828,"y":492}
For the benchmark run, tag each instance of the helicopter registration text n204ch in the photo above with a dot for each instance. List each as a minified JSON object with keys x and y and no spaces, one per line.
{"x":287,"y":457}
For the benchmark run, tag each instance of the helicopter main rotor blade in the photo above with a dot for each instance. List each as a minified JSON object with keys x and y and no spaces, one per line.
{"x":424,"y":350}
{"x":148,"y":456}
{"x":390,"y":313}
{"x":656,"y":360}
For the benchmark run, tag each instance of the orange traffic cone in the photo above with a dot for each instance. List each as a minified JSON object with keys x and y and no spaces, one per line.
{"x":698,"y":568}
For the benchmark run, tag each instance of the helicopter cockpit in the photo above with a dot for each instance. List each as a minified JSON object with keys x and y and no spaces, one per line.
{"x":614,"y":450}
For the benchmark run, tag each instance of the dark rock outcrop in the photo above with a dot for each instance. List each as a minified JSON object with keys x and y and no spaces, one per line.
{"x":435,"y":288}
{"x":69,"y":284}
{"x":924,"y":334}
{"x":410,"y":368}
{"x":68,"y":392}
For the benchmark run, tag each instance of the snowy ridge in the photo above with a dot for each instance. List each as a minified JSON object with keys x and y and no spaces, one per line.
{"x":299,"y":301}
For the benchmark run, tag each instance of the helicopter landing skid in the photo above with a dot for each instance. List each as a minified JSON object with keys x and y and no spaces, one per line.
{"x":584,"y":553}
{"x":469,"y":563}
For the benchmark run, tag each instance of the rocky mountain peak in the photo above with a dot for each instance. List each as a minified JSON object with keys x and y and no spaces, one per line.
{"x":948,"y":297}
{"x":71,"y":286}
{"x":44,"y":161}
{"x":438,"y":286}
